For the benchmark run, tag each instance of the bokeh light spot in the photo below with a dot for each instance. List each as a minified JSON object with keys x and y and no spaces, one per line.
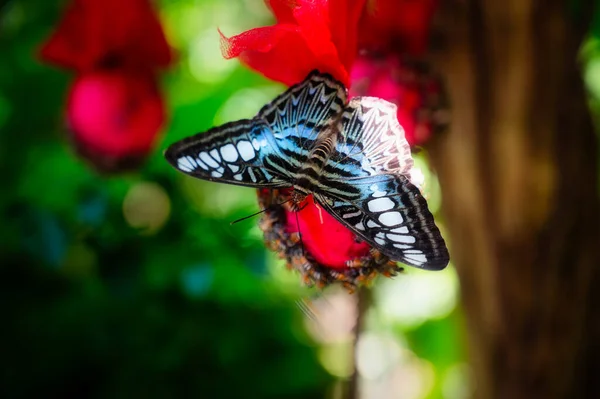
{"x":417,"y":296}
{"x":332,"y":317}
{"x":457,"y":382}
{"x":197,"y":280}
{"x":375,"y":354}
{"x":337,"y":359}
{"x":245,"y":103}
{"x":206,"y":63}
{"x":146,"y":207}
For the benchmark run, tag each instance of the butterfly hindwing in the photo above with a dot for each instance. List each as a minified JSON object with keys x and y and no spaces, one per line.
{"x":391,"y":214}
{"x":371,"y":141}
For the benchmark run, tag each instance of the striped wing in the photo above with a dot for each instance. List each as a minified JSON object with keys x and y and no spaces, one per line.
{"x":371,"y":141}
{"x":267,"y":150}
{"x":233,"y":153}
{"x":365,"y":186}
{"x":391,"y":215}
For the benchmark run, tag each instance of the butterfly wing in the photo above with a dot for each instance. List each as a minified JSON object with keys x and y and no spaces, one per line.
{"x":371,"y":141}
{"x":232,"y":153}
{"x":391,"y":215}
{"x":267,"y":150}
{"x":365,"y":186}
{"x":297,"y":117}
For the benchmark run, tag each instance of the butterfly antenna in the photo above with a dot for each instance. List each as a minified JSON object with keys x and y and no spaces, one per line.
{"x":259,"y":212}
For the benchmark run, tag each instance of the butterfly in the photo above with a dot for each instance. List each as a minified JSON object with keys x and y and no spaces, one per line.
{"x":351,"y":155}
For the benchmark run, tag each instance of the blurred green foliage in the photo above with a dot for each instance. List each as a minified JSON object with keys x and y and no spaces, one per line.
{"x":96,"y":303}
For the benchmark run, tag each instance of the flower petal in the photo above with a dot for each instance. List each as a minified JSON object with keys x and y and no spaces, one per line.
{"x":283,"y":10}
{"x":326,"y":239}
{"x":306,"y":37}
{"x":93,"y":30}
{"x":114,"y":116}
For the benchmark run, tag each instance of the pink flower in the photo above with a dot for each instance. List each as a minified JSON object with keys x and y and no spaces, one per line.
{"x":114,"y":117}
{"x":411,"y":85}
{"x":114,"y":111}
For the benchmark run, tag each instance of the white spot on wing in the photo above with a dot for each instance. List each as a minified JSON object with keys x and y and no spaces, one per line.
{"x":391,"y":218}
{"x":255,"y":144}
{"x":208,"y":160}
{"x":402,"y":238}
{"x":360,"y":226}
{"x":234,"y":168}
{"x":351,"y":215}
{"x":403,"y":246}
{"x":401,"y":230}
{"x":202,"y":164}
{"x":238,"y":177}
{"x":229,"y":153}
{"x":245,"y":149}
{"x":376,"y":192}
{"x":184,"y":164}
{"x":418,"y":259}
{"x":379,"y":241}
{"x":371,"y":224}
{"x":252,"y":175}
{"x":380,"y":204}
{"x":215,"y":154}
{"x":215,"y":173}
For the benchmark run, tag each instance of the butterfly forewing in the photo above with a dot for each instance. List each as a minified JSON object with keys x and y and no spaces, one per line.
{"x":267,"y":150}
{"x":233,"y":153}
{"x":391,"y":214}
{"x":297,"y":117}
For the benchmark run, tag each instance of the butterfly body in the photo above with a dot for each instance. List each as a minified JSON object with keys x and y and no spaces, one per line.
{"x":350,"y":155}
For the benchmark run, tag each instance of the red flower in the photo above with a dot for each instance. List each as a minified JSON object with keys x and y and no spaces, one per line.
{"x":318,"y":227}
{"x":327,"y":35}
{"x":326,"y":251}
{"x":114,"y":117}
{"x":309,"y":34}
{"x":114,"y":110}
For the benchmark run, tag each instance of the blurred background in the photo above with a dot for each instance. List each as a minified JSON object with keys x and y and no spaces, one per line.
{"x":134,"y":284}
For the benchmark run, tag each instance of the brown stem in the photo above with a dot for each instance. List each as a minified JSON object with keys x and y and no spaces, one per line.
{"x":364,"y":300}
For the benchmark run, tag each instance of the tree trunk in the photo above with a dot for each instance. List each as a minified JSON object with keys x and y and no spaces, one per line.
{"x":519,"y":176}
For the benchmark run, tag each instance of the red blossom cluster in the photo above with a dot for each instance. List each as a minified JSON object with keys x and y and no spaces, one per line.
{"x":372,"y":47}
{"x":114,"y":110}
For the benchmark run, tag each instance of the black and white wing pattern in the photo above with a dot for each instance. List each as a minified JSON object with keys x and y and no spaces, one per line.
{"x":232,"y":153}
{"x":267,"y":150}
{"x":371,"y":141}
{"x":368,"y":189}
{"x":391,"y":215}
{"x":362,"y":182}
